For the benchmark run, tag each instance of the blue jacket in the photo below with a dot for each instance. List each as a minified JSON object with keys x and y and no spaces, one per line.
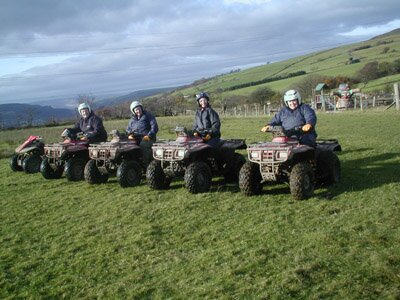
{"x":146,"y":125}
{"x":93,"y":128}
{"x":207,"y":119}
{"x":289,"y":119}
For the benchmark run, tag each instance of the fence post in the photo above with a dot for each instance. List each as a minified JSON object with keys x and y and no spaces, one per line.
{"x":373,"y":101}
{"x":396,"y":95}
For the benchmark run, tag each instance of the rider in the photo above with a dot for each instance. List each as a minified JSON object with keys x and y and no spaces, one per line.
{"x":206,"y":121}
{"x":296,"y":114}
{"x":89,"y":124}
{"x":143,"y":127}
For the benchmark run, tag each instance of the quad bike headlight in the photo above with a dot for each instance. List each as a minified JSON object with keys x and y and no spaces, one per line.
{"x":159,"y":152}
{"x":94,"y":153}
{"x":282,"y":155}
{"x":254,"y":155}
{"x":181,"y":153}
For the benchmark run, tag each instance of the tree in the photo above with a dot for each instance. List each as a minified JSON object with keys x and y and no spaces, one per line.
{"x":369,"y":72}
{"x":262,"y":95}
{"x":307,"y":85}
{"x":384,"y":68}
{"x":395,"y":67}
{"x":30,"y":116}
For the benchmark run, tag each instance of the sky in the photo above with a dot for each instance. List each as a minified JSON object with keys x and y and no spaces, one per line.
{"x":56,"y":50}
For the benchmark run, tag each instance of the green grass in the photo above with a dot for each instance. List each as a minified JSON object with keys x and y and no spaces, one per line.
{"x":73,"y":240}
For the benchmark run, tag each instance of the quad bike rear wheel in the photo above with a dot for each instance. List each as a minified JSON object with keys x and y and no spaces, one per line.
{"x":74,"y":169}
{"x":329,"y":167}
{"x":48,"y":172}
{"x":302,"y":181}
{"x":198,"y":177}
{"x":156,"y":177}
{"x":31,"y":163}
{"x":250,"y":179}
{"x":232,"y":175}
{"x":14,"y":163}
{"x":129,"y":173}
{"x":93,"y":175}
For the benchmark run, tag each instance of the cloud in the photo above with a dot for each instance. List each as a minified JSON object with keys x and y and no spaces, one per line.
{"x":373,"y":30}
{"x":64,"y":48}
{"x":248,"y":2}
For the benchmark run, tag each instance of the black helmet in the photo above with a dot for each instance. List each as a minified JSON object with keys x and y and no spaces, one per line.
{"x":202,"y":95}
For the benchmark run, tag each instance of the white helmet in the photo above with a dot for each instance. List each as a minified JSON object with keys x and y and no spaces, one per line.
{"x":291,"y":95}
{"x":135,"y":104}
{"x":83,"y":106}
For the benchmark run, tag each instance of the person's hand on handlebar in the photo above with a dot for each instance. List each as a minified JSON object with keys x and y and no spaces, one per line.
{"x":306,"y":128}
{"x":265,"y":128}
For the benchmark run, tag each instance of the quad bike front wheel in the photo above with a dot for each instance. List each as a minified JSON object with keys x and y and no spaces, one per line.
{"x":198,"y":177}
{"x":48,"y":171}
{"x":74,"y":169}
{"x":129,"y":173}
{"x":156,"y":178}
{"x":250,"y":179}
{"x":302,"y":181}
{"x":14,"y":163}
{"x":31,"y":163}
{"x":93,"y":175}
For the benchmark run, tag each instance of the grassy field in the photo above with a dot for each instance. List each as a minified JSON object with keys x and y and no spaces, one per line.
{"x":72,"y":240}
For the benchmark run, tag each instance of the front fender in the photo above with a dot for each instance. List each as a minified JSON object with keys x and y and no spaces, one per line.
{"x":302,"y":153}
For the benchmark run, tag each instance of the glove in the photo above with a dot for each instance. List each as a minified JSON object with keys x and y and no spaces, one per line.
{"x":196,"y":134}
{"x":131,"y":136}
{"x":146,"y":138}
{"x":83,"y":138}
{"x":306,"y":127}
{"x":207,"y":137}
{"x":65,"y":132}
{"x":265,"y":128}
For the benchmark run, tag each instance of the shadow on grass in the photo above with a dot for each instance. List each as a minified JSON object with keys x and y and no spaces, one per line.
{"x":366,"y":173}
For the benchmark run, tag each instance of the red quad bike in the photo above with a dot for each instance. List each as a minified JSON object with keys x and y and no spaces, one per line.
{"x":121,"y":157}
{"x":69,"y":156}
{"x":195,"y":160}
{"x":28,"y":155}
{"x":284,"y":160}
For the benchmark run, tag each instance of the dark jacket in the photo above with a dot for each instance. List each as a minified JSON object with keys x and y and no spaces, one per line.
{"x":207,"y":119}
{"x":289,"y":119}
{"x":146,"y":125}
{"x":93,"y":128}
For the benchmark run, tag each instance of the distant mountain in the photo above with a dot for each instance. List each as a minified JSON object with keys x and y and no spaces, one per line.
{"x":20,"y":115}
{"x":137,"y":95}
{"x":58,"y":103}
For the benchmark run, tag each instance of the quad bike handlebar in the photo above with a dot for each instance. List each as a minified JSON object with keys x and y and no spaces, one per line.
{"x":278,"y":130}
{"x":203,"y":132}
{"x":67,"y":135}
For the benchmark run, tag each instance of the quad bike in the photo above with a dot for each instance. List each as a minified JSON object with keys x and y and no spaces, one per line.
{"x":28,"y":155}
{"x":190,"y":157}
{"x":284,"y":160}
{"x":121,"y":157}
{"x":68,"y":157}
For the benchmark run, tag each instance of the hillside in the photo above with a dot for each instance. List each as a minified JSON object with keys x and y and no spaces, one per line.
{"x":330,"y":62}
